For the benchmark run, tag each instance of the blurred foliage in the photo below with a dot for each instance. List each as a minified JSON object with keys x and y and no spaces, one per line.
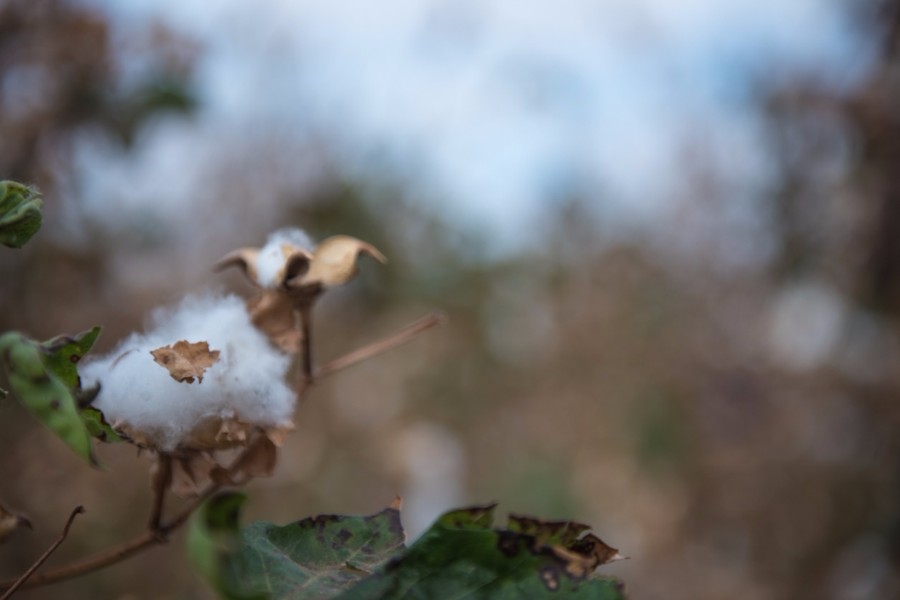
{"x":20,"y":214}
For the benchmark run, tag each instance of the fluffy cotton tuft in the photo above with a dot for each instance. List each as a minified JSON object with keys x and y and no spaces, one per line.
{"x":246,"y":383}
{"x":271,"y":256}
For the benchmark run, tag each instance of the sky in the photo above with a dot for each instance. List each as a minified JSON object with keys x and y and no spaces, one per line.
{"x":495,"y":109}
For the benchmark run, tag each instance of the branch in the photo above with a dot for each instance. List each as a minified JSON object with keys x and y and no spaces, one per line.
{"x":161,"y":481}
{"x":37,"y":564}
{"x":306,"y":331}
{"x":374,"y":349}
{"x":119,"y":553}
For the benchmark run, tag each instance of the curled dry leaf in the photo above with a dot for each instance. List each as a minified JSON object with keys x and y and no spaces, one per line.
{"x":585,"y":555}
{"x":273,"y":313}
{"x":10,"y":521}
{"x":258,"y":460}
{"x":185,"y":360}
{"x":190,"y":473}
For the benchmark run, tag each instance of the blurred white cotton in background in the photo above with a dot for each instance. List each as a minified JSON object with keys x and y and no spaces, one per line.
{"x":806,"y":322}
{"x":433,"y":462}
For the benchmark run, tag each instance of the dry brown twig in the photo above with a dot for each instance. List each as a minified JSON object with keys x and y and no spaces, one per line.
{"x":40,"y":561}
{"x":158,"y":531}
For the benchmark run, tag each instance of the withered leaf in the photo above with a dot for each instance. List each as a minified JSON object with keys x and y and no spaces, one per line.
{"x":273,"y":313}
{"x":185,"y":360}
{"x":547,"y":532}
{"x":10,"y":521}
{"x":581,"y":558}
{"x":190,"y":474}
{"x":258,"y":460}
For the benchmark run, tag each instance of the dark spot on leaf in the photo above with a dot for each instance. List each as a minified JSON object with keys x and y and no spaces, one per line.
{"x":550,"y":577}
{"x":344,"y":535}
{"x":393,"y":565}
{"x":395,"y":525}
{"x":42,"y":378}
{"x":508,"y":543}
{"x":55,"y":404}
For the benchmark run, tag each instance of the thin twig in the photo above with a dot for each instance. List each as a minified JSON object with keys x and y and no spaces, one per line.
{"x":37,"y":564}
{"x":399,"y":338}
{"x":130,"y":548}
{"x":98,"y":561}
{"x":161,"y":480}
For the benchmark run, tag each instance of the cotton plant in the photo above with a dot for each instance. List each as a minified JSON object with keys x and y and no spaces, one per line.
{"x":210,"y":374}
{"x":204,"y":391}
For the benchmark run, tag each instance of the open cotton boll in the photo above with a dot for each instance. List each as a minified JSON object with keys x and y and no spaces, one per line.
{"x":271,"y":257}
{"x":245,"y":385}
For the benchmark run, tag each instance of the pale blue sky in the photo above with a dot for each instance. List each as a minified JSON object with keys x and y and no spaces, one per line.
{"x":496,"y":106}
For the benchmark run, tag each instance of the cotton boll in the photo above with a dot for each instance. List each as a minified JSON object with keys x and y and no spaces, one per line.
{"x":247,"y":383}
{"x":271,"y":257}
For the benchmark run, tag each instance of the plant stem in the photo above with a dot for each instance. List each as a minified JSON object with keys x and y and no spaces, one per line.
{"x":161,"y":480}
{"x":37,"y":564}
{"x":397,"y":339}
{"x":149,"y":538}
{"x":305,"y":311}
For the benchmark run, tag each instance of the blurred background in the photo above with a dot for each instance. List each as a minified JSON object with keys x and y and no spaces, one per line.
{"x":667,"y":236}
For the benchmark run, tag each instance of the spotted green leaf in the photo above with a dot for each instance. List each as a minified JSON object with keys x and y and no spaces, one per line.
{"x":97,"y":426}
{"x":62,"y":353}
{"x":20,"y":213}
{"x":363,"y":558}
{"x":44,"y":393}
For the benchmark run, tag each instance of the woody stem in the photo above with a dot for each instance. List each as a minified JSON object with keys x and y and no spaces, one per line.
{"x":161,"y":480}
{"x":305,"y":311}
{"x":40,"y":561}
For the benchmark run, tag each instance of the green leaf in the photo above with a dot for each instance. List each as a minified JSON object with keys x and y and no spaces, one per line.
{"x":43,"y":393}
{"x":20,"y":213}
{"x":461,"y":556}
{"x":317,"y":557}
{"x":62,"y":353}
{"x":363,"y":558}
{"x":97,"y":426}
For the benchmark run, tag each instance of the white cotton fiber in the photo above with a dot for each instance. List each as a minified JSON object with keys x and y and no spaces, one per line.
{"x":271,"y":256}
{"x":247,"y":382}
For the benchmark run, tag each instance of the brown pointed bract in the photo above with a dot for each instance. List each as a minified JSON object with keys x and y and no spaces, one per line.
{"x":300,"y":280}
{"x":334,"y":261}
